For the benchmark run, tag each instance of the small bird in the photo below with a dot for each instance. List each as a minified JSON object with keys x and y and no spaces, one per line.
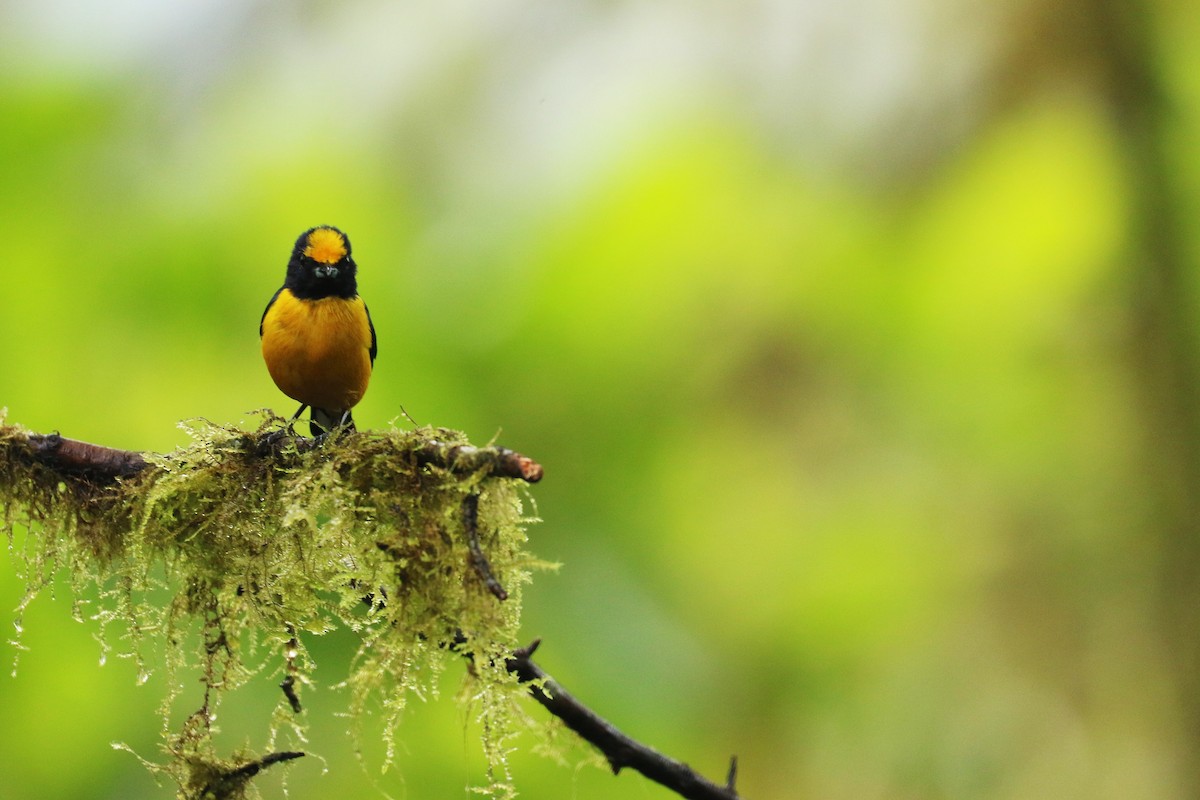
{"x":317,"y":336}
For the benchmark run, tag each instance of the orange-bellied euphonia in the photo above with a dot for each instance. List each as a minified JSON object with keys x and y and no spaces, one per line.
{"x":317,"y":336}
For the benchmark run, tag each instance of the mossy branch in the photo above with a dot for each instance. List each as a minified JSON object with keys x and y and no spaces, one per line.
{"x":96,"y":462}
{"x":230,"y":554}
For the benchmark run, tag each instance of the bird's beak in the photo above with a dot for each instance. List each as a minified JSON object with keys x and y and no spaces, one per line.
{"x":326,"y":271}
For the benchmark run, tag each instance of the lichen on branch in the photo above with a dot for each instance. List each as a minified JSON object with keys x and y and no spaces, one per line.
{"x":262,"y":540}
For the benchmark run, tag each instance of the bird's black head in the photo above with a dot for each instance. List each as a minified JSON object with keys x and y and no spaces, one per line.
{"x":321,"y":265}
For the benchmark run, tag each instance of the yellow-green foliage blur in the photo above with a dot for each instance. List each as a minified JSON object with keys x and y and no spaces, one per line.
{"x":857,"y":341}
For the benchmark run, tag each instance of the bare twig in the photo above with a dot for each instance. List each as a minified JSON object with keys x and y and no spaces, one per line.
{"x":288,"y":685}
{"x":467,"y":458}
{"x":620,"y":750}
{"x":81,"y":458}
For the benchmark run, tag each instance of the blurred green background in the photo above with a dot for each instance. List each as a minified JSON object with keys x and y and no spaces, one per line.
{"x":857,"y":340}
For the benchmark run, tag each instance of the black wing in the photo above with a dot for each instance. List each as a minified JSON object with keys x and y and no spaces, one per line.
{"x":270,"y":303}
{"x":371,"y":325}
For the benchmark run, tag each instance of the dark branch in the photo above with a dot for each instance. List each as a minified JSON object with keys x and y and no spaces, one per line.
{"x":229,"y":784}
{"x":288,"y":685}
{"x":470,"y":512}
{"x":620,"y":750}
{"x":254,"y":767}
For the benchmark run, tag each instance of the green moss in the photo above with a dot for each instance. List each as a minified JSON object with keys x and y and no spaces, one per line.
{"x":261,"y":542}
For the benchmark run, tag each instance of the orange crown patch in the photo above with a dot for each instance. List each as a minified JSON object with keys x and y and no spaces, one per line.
{"x":325,"y":246}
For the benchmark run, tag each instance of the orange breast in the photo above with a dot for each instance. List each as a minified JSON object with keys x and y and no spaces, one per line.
{"x":317,"y":351}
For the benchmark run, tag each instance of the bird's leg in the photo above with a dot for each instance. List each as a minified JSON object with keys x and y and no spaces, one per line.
{"x":343,"y":425}
{"x":288,"y":430}
{"x":292,"y":422}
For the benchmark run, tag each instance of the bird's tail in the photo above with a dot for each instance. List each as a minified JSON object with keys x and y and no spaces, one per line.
{"x":324,"y":421}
